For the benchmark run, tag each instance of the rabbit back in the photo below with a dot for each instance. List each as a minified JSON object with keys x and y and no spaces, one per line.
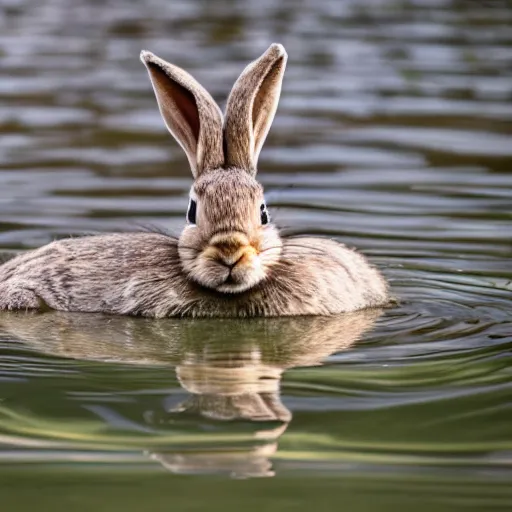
{"x":133,"y":274}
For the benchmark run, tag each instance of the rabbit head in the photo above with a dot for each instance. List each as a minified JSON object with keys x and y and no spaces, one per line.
{"x":228,"y":243}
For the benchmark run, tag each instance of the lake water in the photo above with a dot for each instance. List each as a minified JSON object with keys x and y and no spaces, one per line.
{"x":393,"y":135}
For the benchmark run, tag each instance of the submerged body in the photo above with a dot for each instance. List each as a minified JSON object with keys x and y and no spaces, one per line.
{"x":141,"y":274}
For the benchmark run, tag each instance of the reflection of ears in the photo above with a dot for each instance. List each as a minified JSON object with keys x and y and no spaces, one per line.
{"x":263,"y":407}
{"x":174,"y":402}
{"x":237,"y":463}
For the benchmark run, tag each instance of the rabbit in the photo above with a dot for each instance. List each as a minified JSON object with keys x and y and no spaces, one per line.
{"x":229,"y":260}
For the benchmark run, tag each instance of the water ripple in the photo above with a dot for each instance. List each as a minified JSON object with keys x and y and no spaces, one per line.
{"x":393,"y":135}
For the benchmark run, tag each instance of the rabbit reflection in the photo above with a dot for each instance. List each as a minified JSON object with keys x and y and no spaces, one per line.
{"x":231,"y":370}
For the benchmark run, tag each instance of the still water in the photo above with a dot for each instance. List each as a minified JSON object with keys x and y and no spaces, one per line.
{"x":393,"y":135}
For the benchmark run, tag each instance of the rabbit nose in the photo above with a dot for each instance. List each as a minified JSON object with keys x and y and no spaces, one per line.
{"x":229,"y":242}
{"x":232,"y":248}
{"x":234,"y":264}
{"x":232,"y":260}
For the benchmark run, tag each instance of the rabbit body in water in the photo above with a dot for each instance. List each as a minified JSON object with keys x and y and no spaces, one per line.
{"x":229,"y":260}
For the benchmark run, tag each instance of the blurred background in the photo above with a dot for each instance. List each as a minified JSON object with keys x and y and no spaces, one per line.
{"x":393,"y":134}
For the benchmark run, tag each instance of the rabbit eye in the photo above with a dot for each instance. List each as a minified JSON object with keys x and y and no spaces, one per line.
{"x":191,"y":212}
{"x":265,"y":217}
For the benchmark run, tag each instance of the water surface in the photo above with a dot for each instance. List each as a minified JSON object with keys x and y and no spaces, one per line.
{"x":393,"y":135}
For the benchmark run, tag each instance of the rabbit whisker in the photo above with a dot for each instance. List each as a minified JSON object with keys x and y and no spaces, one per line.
{"x":188,"y":248}
{"x":303,"y":246}
{"x":271,"y":248}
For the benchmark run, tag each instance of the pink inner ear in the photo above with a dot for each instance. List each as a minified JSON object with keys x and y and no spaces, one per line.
{"x":187,"y":104}
{"x":182,"y":98}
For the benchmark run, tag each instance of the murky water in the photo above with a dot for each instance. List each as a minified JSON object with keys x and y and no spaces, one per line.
{"x":394,"y":135}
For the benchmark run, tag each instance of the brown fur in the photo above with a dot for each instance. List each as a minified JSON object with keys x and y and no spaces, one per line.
{"x":227,"y":263}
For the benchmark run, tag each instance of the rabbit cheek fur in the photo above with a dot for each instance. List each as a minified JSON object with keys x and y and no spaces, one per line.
{"x":229,"y":261}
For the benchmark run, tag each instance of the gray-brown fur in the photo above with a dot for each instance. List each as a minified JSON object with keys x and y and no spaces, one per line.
{"x":251,"y":107}
{"x":227,"y":263}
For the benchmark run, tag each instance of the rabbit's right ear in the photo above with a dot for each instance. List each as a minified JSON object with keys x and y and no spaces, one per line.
{"x":251,"y":107}
{"x":189,"y":112}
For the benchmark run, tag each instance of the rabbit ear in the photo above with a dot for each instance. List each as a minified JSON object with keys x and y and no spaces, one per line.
{"x":251,"y":107}
{"x":189,"y":112}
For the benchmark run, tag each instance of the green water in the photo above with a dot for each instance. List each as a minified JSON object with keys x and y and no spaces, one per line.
{"x":393,"y":135}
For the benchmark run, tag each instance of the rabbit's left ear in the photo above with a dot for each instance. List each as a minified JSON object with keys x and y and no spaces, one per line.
{"x":189,"y":112}
{"x":251,"y":107}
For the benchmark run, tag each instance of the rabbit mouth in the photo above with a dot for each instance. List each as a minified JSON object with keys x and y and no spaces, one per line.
{"x":235,"y":283}
{"x":229,"y":280}
{"x":237,"y":278}
{"x":230,"y":263}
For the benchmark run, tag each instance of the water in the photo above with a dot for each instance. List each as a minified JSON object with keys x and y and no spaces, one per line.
{"x":393,"y":134}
